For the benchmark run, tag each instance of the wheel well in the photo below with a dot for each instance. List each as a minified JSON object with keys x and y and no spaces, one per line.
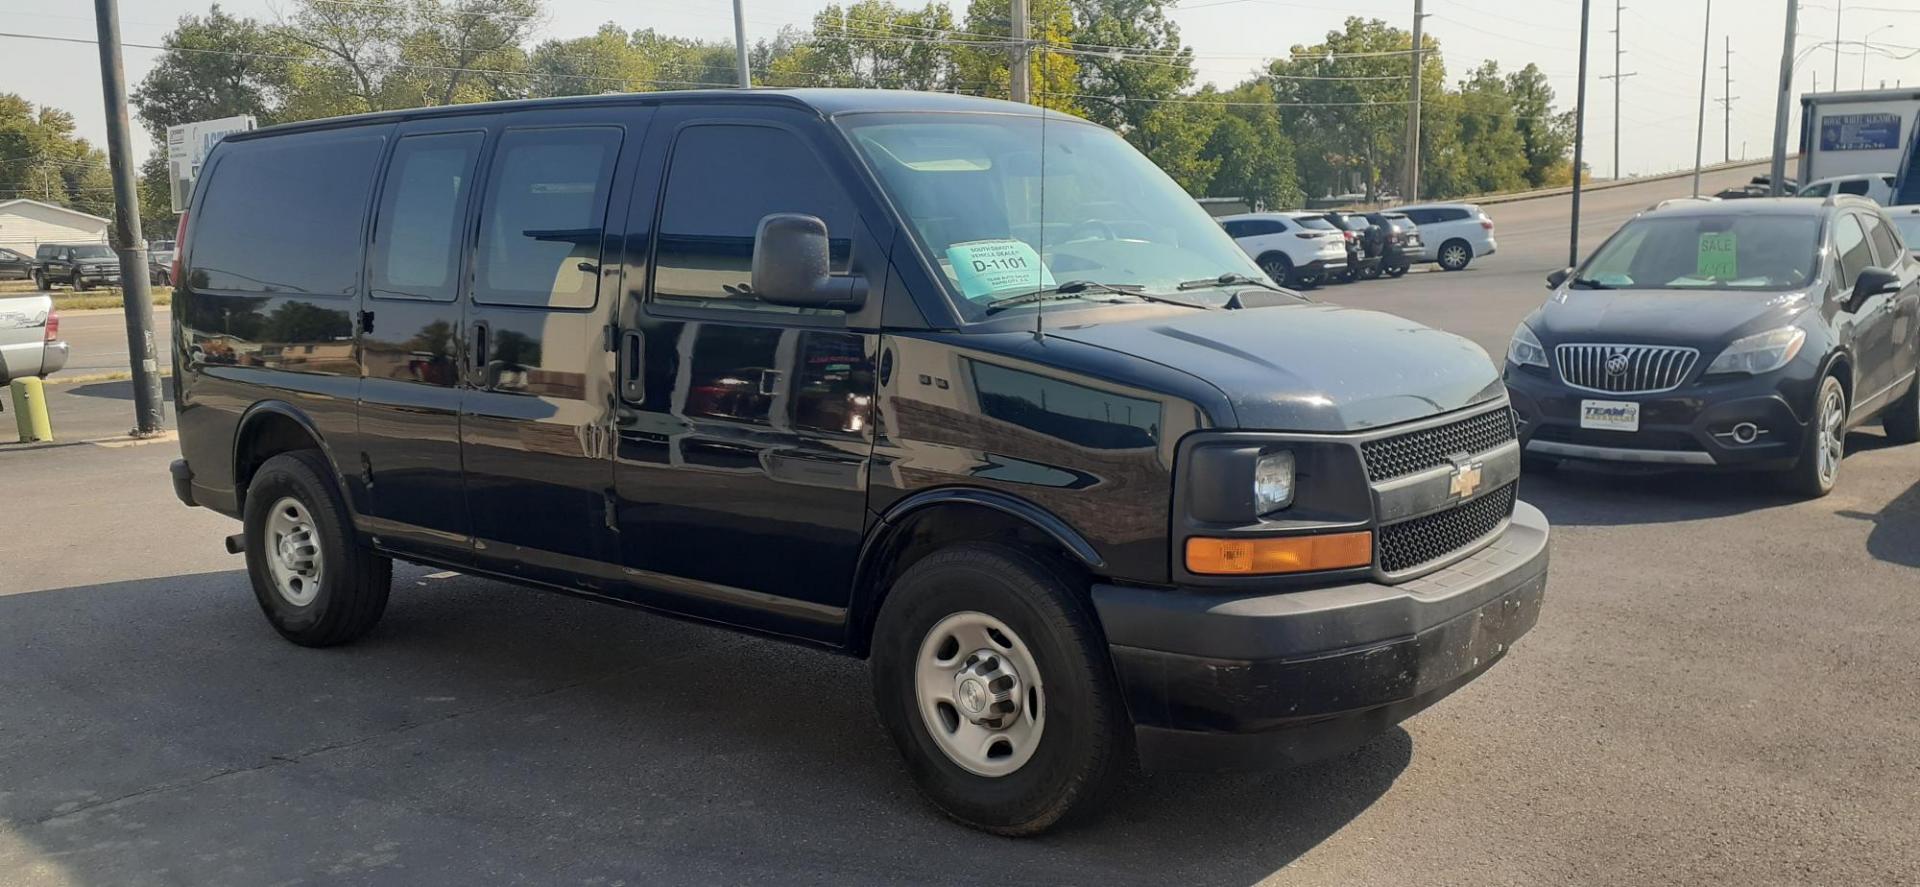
{"x":1459,"y":240}
{"x":1272,"y":254}
{"x":1841,"y":369}
{"x":265,"y":436}
{"x":927,"y":530}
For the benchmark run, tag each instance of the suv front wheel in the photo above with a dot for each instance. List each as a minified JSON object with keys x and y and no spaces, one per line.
{"x":994,"y":683}
{"x":318,"y":585}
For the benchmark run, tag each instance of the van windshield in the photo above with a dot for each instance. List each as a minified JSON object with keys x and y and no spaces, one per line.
{"x":1752,"y":252}
{"x":1004,"y":213}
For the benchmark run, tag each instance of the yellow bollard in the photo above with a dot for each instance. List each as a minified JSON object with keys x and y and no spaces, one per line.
{"x":30,"y":409}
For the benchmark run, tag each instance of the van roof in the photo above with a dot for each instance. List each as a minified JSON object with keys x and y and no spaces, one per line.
{"x":826,"y":102}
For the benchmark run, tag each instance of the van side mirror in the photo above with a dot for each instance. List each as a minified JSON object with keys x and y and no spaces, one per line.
{"x":1558,"y":277}
{"x":1873,"y":282}
{"x":792,"y":266}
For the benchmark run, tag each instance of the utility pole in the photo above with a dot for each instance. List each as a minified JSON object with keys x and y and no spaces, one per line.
{"x":148,"y":408}
{"x":1836,"y":46}
{"x":1579,"y":136}
{"x":1700,"y":130}
{"x":1616,"y":77}
{"x":1413,"y":111}
{"x":1019,"y":70}
{"x":740,"y":46}
{"x":1778,"y":172}
{"x":1727,"y":97}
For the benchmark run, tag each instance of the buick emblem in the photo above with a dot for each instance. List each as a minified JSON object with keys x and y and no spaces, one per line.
{"x":1465,"y":479}
{"x":1617,"y":365}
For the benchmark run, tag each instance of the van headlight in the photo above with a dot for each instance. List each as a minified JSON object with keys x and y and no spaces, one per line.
{"x":1525,"y":349}
{"x":1760,"y":353}
{"x":1272,"y":482}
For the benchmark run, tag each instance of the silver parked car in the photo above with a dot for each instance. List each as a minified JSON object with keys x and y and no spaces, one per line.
{"x":29,"y":337}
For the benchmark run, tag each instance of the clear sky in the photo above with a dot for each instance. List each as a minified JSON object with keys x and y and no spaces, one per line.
{"x":1230,"y":38}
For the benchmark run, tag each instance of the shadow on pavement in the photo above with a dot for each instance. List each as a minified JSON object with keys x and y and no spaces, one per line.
{"x":121,"y":389}
{"x":1896,"y":529}
{"x":158,"y":731}
{"x":1587,"y":494}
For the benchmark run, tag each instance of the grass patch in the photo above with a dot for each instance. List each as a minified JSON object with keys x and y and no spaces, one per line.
{"x":8,"y":287}
{"x":105,"y":298}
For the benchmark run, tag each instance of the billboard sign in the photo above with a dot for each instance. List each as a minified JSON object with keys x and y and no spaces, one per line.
{"x":187,"y":147}
{"x":1859,"y":132}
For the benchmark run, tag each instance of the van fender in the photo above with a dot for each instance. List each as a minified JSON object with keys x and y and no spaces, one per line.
{"x":261,"y":410}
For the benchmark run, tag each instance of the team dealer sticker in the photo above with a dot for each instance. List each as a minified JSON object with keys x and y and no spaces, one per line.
{"x":984,"y":267}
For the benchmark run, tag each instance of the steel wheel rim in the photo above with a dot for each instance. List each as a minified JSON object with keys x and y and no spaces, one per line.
{"x":1833,"y":440}
{"x":294,"y":558}
{"x":960,"y":695}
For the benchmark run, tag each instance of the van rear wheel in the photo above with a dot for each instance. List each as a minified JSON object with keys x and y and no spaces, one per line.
{"x":993,"y":681}
{"x":314,"y":580}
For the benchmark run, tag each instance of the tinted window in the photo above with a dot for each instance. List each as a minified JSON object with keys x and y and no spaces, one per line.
{"x":1420,"y":216}
{"x":1850,"y":186}
{"x":1454,"y":215}
{"x":1315,"y":223}
{"x":1260,"y":227}
{"x":416,"y":242}
{"x":1909,"y":225}
{"x":1851,"y":244}
{"x":1819,"y":190}
{"x":1238,"y":229}
{"x":723,"y":180}
{"x":1886,"y":250}
{"x":286,"y":214}
{"x":545,"y":215}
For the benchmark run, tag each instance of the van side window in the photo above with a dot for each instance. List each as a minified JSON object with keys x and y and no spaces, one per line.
{"x":1850,"y":244}
{"x":723,"y":179}
{"x":416,"y":240}
{"x":310,"y":191}
{"x":545,"y":217}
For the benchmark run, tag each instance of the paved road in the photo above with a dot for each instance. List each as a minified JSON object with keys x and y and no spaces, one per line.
{"x":1720,"y":691}
{"x":98,"y":338}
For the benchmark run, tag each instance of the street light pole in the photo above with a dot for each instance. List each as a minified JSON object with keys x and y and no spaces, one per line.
{"x":1778,"y":171}
{"x":1579,"y":136}
{"x":1836,"y":45}
{"x":148,"y":407}
{"x":1413,"y":112}
{"x":740,"y":46}
{"x":1700,"y":131}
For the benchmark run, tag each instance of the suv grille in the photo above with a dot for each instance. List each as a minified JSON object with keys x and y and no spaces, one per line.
{"x":1417,"y":451}
{"x":1422,"y":540}
{"x":1625,"y":369}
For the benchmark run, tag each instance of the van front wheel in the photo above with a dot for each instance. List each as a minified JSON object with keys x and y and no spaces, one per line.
{"x":992,"y":679}
{"x":318,"y":585}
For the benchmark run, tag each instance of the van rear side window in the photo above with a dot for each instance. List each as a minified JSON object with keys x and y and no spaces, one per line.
{"x":286,"y":215}
{"x":416,"y":243}
{"x":545,"y":215}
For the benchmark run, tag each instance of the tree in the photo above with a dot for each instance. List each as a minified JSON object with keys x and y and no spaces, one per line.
{"x":1255,"y":160}
{"x":1346,"y":98}
{"x":42,"y":158}
{"x":1149,"y":66}
{"x":875,"y":43}
{"x":215,"y":66}
{"x":1548,"y":136}
{"x":587,"y":65}
{"x":985,"y":68}
{"x":369,"y":56}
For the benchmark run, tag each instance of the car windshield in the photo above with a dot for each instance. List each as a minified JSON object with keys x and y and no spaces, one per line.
{"x":1748,"y":252}
{"x":1909,"y":226}
{"x":1005,"y":208}
{"x":93,"y":251}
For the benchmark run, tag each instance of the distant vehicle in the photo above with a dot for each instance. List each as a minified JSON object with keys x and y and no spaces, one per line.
{"x":15,"y":265}
{"x":1452,"y":234}
{"x":1297,"y":249}
{"x":1363,"y":262}
{"x":1758,"y":186}
{"x":1864,"y":132}
{"x":1877,"y":187}
{"x":1753,"y":335}
{"x":1402,"y":241}
{"x":78,"y":265}
{"x":29,"y":337}
{"x":1907,"y":220}
{"x":160,"y":265}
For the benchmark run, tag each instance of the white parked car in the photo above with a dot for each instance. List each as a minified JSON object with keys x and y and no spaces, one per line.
{"x":1877,"y":187}
{"x":1295,"y":249}
{"x":1451,"y":234}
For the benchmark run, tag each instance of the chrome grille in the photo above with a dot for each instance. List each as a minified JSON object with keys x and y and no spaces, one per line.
{"x":1417,"y":451}
{"x":1428,"y":538}
{"x":1625,"y":369}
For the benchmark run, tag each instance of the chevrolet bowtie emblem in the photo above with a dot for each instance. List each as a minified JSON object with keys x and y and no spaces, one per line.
{"x":1466,"y":478}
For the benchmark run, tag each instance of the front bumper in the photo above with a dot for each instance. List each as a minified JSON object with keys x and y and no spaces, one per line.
{"x":1689,"y":426}
{"x":1222,"y":681}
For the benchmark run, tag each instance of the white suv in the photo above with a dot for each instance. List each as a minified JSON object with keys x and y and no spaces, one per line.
{"x":1295,"y":249}
{"x":1877,"y":187}
{"x":1453,"y":234}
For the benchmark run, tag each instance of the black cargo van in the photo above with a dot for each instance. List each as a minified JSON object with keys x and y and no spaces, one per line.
{"x":971,"y":390}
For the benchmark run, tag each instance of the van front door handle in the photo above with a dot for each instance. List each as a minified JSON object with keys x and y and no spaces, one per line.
{"x":478,"y":349}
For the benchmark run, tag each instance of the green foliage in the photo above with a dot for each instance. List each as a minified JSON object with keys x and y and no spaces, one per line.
{"x":41,"y":158}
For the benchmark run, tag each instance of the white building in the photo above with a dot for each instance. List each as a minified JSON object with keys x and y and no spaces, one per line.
{"x":25,"y":224}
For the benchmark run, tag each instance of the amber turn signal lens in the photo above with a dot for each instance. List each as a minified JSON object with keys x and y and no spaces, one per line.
{"x":1287,"y":554}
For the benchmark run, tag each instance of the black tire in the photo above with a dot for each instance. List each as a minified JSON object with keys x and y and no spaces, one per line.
{"x":1370,"y":272}
{"x":79,"y":286}
{"x":1083,"y":746}
{"x":1902,"y":419}
{"x":351,"y":591}
{"x":1809,"y":477}
{"x":1455,"y":255}
{"x":1278,"y":267}
{"x":1395,"y":270}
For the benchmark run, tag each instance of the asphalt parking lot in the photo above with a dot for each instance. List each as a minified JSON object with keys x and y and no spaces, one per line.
{"x":1720,"y":690}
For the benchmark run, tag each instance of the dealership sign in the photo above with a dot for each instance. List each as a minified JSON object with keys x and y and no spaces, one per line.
{"x":187,"y":147}
{"x":1859,"y":132}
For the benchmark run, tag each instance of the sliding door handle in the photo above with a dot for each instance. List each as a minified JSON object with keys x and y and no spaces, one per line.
{"x":633,"y":353}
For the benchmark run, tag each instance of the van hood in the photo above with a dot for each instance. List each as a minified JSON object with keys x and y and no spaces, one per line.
{"x":1309,"y":367}
{"x":1699,"y":318}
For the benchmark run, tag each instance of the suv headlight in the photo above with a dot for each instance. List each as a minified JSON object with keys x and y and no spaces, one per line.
{"x":1525,"y":349}
{"x":1760,"y":353}
{"x":1273,"y":482}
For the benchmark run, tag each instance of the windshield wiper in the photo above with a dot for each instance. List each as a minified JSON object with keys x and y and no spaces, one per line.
{"x":1072,"y":289}
{"x":1591,"y":284}
{"x":1228,"y":279}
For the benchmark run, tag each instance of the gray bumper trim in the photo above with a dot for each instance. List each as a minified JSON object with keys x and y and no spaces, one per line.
{"x":1619,"y":454}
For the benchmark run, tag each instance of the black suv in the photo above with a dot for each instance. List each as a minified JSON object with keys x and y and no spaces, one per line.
{"x":78,"y":265}
{"x":963,"y":387}
{"x":1749,"y":334}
